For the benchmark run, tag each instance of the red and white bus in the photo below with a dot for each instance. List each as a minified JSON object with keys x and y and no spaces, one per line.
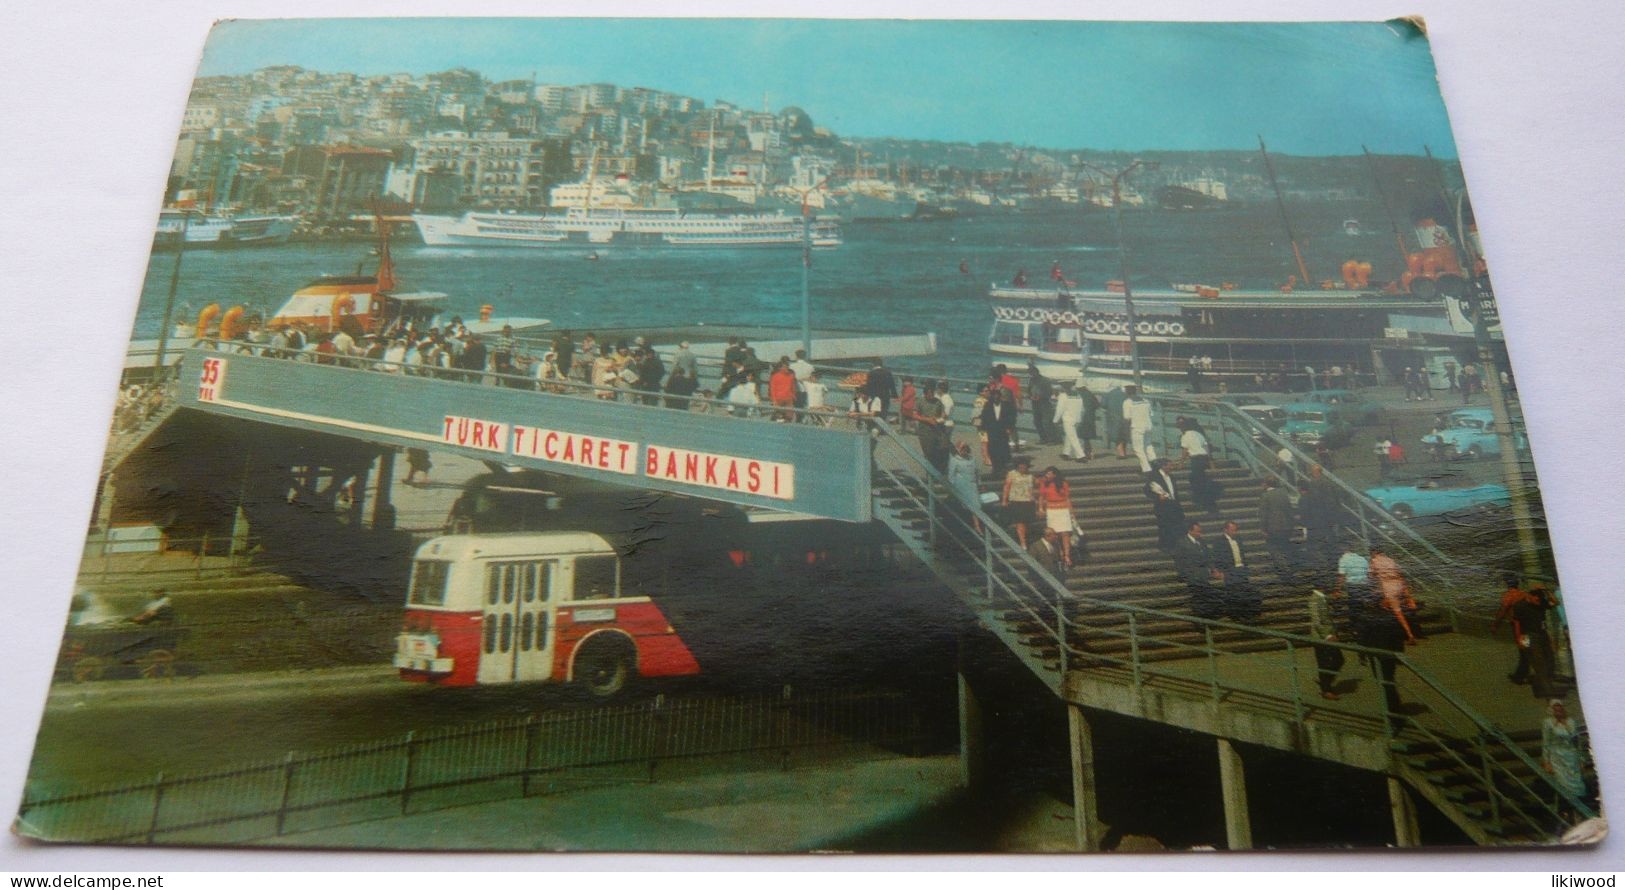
{"x":506,"y":608}
{"x":552,"y":580}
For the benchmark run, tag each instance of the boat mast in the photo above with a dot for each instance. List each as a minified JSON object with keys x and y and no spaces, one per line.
{"x":1280,"y":203}
{"x":386,"y":263}
{"x":1382,"y":195}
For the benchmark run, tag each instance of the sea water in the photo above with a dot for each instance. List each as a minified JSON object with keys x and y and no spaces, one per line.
{"x":891,"y":277}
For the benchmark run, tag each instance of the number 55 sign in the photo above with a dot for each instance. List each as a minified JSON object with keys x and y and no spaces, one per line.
{"x":211,"y":379}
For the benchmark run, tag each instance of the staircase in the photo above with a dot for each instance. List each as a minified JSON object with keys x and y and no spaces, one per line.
{"x":1451,"y":773}
{"x":1121,"y":612}
{"x":122,"y":444}
{"x":1126,"y":567}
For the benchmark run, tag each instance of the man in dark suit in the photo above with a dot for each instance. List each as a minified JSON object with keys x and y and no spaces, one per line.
{"x":998,"y":421}
{"x":1242,"y":600}
{"x":881,"y":385}
{"x":1046,"y":551}
{"x":1320,"y":506}
{"x":1277,"y":520}
{"x":1194,"y":562}
{"x":1164,"y":497}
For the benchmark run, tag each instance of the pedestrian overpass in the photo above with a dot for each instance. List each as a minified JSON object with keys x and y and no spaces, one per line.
{"x":1245,"y":686}
{"x":578,"y":430}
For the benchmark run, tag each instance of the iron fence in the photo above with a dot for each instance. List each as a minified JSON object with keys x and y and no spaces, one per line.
{"x":425,"y":771}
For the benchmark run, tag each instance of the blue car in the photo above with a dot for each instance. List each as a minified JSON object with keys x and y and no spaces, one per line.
{"x":1312,"y":423}
{"x":1471,"y":433}
{"x":1357,"y":409}
{"x":1446,"y":493}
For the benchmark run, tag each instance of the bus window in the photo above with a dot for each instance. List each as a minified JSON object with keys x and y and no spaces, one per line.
{"x":428,"y":583}
{"x":596,"y":577}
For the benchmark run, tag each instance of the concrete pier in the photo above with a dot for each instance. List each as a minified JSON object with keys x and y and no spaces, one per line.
{"x":1238,"y":824}
{"x":1085,"y":794}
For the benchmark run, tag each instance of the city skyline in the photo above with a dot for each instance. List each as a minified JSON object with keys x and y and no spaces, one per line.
{"x":1162,"y":86}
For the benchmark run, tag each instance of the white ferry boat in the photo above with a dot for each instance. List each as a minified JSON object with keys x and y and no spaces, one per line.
{"x":1245,"y":339}
{"x":221,"y":229}
{"x":1199,"y":335}
{"x":617,"y":226}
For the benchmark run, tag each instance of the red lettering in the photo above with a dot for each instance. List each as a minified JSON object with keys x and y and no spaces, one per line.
{"x":518,"y":439}
{"x":671,"y":466}
{"x":586,"y":452}
{"x":550,"y":445}
{"x":733,"y":474}
{"x":491,"y":436}
{"x":652,"y":465}
{"x":775,"y":480}
{"x":462,"y":431}
{"x":447,"y":434}
{"x":753,"y":471}
{"x":479,"y":433}
{"x":691,"y":467}
{"x":711,"y":470}
{"x":625,"y":461}
{"x":569,"y":455}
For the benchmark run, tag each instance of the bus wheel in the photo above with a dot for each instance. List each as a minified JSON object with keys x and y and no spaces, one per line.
{"x":604,"y":667}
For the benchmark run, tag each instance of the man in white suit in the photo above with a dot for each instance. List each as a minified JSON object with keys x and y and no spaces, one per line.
{"x":1068,"y":414}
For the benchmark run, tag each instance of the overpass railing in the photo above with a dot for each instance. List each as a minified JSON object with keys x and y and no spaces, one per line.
{"x":1235,"y":435}
{"x":1037,"y":615}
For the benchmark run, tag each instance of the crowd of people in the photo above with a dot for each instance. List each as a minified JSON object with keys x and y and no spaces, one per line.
{"x":629,"y":370}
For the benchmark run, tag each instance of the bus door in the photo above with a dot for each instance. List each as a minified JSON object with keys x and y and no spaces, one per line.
{"x":519,"y":617}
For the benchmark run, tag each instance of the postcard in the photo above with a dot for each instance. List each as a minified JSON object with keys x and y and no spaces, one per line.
{"x":731,"y":435}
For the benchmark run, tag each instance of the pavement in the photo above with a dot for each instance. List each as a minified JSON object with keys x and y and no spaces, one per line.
{"x":219,"y":688}
{"x":831,"y":807}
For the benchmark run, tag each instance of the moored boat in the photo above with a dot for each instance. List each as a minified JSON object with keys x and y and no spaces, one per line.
{"x":649,"y":226}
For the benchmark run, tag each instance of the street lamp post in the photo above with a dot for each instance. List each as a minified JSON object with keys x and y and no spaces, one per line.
{"x":806,"y":271}
{"x":1122,"y":260}
{"x":169,"y":301}
{"x":806,"y":267}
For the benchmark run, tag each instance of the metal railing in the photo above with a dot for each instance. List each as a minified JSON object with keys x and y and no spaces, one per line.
{"x":424,"y":771}
{"x":759,"y":410}
{"x":1027,"y":607}
{"x":1236,"y":435}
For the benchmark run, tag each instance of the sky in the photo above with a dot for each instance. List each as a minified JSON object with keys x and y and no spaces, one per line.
{"x":1308,"y":89}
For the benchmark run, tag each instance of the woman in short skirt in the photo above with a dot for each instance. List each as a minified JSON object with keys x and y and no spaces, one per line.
{"x":1017,"y":499}
{"x":1055,"y":500}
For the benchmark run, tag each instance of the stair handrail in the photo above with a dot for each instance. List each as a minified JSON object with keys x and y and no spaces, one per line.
{"x":1060,"y":594}
{"x":1354,"y":500}
{"x":762,"y":412}
{"x":1372,"y":518}
{"x":991,"y":531}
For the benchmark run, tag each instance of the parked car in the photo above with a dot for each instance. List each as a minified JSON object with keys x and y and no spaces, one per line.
{"x":1362,"y":412}
{"x":1312,"y":423}
{"x":1471,"y":433}
{"x":1271,"y":416}
{"x":1437,"y":495}
{"x":1239,"y":399}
